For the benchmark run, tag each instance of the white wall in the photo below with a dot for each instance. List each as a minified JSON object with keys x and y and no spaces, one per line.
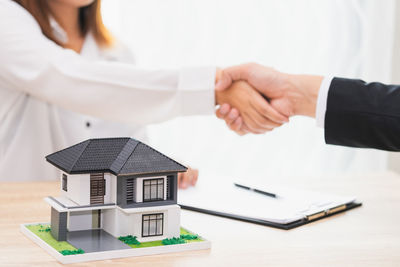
{"x":173,"y":226}
{"x":118,"y":223}
{"x":310,"y":39}
{"x":110,"y":221}
{"x":111,"y":188}
{"x":139,"y":187}
{"x":79,"y":188}
{"x":80,"y":220}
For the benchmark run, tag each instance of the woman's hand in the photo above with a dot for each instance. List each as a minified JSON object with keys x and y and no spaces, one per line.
{"x":188,"y":178}
{"x":232,"y":118}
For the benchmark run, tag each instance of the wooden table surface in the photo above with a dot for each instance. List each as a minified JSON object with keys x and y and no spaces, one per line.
{"x":367,"y":236}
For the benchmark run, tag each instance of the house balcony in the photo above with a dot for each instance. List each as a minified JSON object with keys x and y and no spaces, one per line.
{"x":64,"y":204}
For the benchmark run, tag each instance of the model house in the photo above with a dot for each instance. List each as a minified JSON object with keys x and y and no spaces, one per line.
{"x":119,"y":185}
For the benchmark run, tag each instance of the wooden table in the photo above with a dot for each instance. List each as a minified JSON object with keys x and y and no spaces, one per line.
{"x":367,"y":236}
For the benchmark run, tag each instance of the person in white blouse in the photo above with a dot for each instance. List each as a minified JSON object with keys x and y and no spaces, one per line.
{"x":63,"y":79}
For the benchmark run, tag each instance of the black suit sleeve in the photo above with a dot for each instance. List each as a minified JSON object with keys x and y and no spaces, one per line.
{"x":360,"y":114}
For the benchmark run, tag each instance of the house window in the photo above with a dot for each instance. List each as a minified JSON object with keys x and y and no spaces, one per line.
{"x":152,"y":224}
{"x":64,"y":182}
{"x":130,"y":190}
{"x":97,"y":188}
{"x":153,"y":189}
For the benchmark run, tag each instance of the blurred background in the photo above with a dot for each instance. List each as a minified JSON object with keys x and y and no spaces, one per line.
{"x":348,"y":38}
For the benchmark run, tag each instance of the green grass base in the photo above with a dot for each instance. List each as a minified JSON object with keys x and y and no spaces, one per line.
{"x":63,"y":246}
{"x":186,"y":232}
{"x":159,"y":242}
{"x":40,"y":231}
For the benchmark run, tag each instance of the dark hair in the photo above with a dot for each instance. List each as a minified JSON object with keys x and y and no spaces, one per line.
{"x":89,"y":19}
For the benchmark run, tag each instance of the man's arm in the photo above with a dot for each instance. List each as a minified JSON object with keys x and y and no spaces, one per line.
{"x":360,"y":114}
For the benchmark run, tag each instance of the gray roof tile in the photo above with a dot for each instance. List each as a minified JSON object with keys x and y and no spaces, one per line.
{"x":116,"y":155}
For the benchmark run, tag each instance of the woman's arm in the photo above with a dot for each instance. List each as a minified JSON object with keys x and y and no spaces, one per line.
{"x":109,"y":90}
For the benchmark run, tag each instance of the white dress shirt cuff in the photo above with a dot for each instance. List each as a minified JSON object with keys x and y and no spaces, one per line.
{"x":322,"y":101}
{"x":197,"y":88}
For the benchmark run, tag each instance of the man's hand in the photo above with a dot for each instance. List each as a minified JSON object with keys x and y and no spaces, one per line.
{"x":289,"y":94}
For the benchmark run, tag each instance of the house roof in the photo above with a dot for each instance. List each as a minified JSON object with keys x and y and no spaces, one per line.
{"x":119,"y":156}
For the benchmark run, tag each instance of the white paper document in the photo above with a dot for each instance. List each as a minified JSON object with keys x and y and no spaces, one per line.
{"x":290,"y":205}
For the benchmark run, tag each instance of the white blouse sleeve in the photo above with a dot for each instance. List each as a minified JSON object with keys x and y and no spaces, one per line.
{"x":110,"y":90}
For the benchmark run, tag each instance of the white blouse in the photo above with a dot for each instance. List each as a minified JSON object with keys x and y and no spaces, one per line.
{"x":51,"y":97}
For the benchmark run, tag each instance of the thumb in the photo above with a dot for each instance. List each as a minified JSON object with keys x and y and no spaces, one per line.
{"x":232,"y":74}
{"x":223,"y":81}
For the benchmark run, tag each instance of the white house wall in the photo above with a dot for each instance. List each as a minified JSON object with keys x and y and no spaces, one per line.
{"x":174,"y":222}
{"x":110,"y":221}
{"x":116,"y":222}
{"x":119,"y":223}
{"x":139,"y":187}
{"x":79,"y":220}
{"x":111,"y":188}
{"x":78,"y":188}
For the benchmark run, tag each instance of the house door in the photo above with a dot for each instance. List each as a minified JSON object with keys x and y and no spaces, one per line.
{"x":96,"y":219}
{"x":97,"y":188}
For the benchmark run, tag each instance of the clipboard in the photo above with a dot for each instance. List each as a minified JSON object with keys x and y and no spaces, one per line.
{"x":287,"y":226}
{"x":331,"y":205}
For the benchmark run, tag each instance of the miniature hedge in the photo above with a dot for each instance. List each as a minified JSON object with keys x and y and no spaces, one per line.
{"x":173,"y":241}
{"x":129,"y":240}
{"x":44,"y":229}
{"x":72,"y":252}
{"x":190,"y":237}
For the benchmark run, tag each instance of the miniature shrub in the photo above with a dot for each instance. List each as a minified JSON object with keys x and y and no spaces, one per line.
{"x":190,"y":237}
{"x":173,"y":241}
{"x":129,"y":240}
{"x":44,"y":229}
{"x":72,"y":252}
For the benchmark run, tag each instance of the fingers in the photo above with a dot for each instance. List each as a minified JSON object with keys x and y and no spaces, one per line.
{"x":263,"y":107}
{"x":183,"y":180}
{"x":223,"y":111}
{"x":257,"y":123}
{"x":188,"y":178}
{"x":256,"y":113}
{"x":245,"y":128}
{"x":239,"y":127}
{"x":235,"y":122}
{"x":232,"y":118}
{"x":259,"y":118}
{"x":180,"y":177}
{"x":195,"y":177}
{"x":241,"y":95}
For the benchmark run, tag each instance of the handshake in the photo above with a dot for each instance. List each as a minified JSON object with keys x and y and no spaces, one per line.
{"x":256,"y":99}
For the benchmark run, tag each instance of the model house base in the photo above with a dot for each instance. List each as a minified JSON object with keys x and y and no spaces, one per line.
{"x":118,"y":199}
{"x":109,"y":254}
